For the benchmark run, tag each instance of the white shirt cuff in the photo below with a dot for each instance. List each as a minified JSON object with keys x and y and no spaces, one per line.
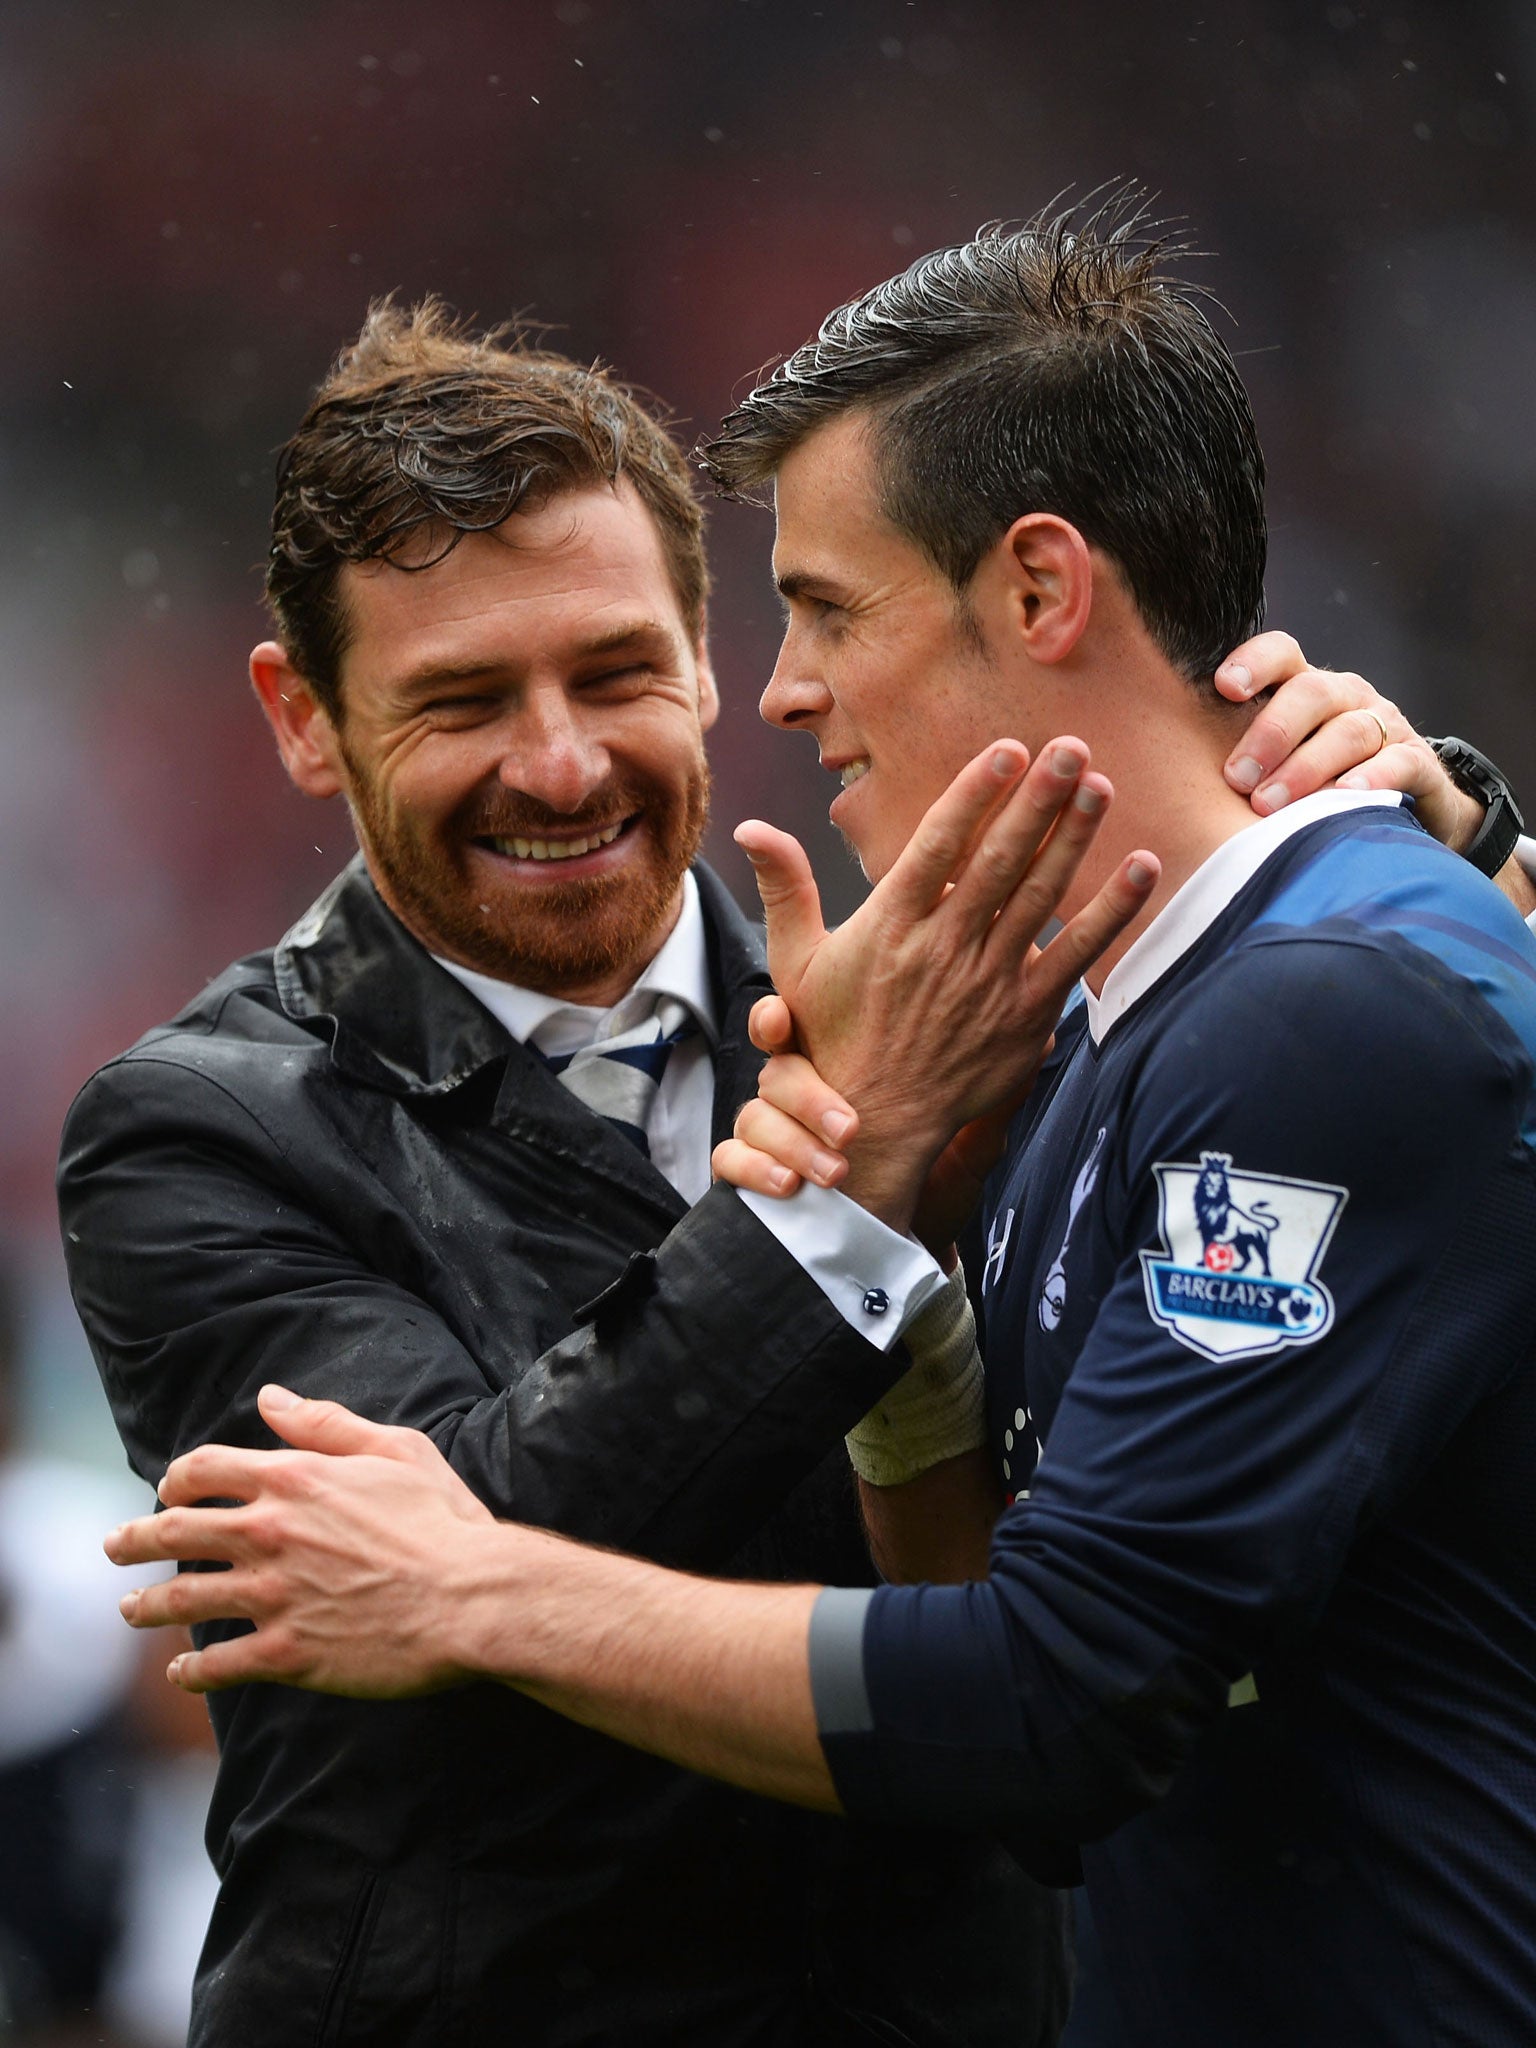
{"x":875,"y":1280}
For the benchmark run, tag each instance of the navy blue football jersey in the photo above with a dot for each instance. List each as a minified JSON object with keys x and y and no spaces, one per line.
{"x":1259,"y":1636}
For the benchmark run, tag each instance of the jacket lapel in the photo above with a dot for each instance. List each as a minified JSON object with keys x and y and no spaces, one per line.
{"x":739,"y":977}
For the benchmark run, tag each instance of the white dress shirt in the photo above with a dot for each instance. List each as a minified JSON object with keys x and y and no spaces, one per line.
{"x":876,"y":1280}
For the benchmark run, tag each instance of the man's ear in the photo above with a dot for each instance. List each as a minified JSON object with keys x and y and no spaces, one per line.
{"x":1049,"y":572}
{"x":709,"y":695}
{"x":305,"y":736}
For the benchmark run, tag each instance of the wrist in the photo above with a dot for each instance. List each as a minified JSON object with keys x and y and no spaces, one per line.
{"x":490,"y":1629}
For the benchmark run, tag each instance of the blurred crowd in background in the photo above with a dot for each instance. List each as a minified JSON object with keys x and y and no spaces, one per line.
{"x":197,"y":202}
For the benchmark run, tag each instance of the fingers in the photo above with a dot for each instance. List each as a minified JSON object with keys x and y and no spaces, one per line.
{"x":771,"y":1025}
{"x":1097,"y":925}
{"x":950,"y":829}
{"x":1413,"y":767}
{"x":192,"y":1597}
{"x":791,"y":902}
{"x":1313,"y":728}
{"x":222,"y":1665}
{"x":781,"y":1136}
{"x":218,"y":1472}
{"x":337,"y":1431}
{"x":793,"y":1085}
{"x":215,"y":1534}
{"x":759,"y":1173}
{"x":1259,"y":664}
{"x":1074,"y":806}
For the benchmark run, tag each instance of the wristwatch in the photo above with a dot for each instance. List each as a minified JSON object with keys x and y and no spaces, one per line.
{"x":1502,"y":824}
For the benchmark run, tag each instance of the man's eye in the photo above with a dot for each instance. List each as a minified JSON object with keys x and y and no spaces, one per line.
{"x":458,"y":710}
{"x":628,"y":680}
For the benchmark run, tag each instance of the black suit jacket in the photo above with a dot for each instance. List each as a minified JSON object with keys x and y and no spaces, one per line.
{"x":335,"y":1169}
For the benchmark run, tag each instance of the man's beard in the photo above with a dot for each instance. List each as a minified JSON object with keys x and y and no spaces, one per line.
{"x":556,"y":936}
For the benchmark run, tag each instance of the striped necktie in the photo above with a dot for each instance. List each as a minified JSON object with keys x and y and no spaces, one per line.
{"x":620,"y":1077}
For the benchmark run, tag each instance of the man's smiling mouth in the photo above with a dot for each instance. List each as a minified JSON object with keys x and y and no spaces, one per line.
{"x":557,"y":849}
{"x":851,"y":771}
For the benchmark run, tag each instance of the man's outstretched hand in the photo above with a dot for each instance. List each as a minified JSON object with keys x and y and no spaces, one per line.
{"x":346,"y":1553}
{"x":934,"y":1005}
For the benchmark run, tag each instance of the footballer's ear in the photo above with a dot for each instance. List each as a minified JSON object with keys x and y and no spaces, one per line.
{"x":305,"y":736}
{"x":1049,"y":573}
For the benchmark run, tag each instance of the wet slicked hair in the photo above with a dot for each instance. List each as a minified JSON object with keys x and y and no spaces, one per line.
{"x":424,"y":431}
{"x":1058,"y":367}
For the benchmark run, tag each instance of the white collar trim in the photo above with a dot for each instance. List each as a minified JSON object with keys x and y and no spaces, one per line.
{"x":1194,"y":908}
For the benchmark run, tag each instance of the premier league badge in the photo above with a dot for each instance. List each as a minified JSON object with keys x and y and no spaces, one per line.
{"x":1237,"y":1275}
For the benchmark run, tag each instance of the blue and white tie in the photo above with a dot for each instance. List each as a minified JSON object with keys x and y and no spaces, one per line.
{"x":620,"y":1077}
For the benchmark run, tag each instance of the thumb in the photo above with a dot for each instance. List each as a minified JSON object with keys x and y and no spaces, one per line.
{"x":770,"y":1026}
{"x":327,"y":1426}
{"x":791,"y":902}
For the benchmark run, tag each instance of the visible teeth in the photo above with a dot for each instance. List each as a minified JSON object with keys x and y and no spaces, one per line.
{"x":851,"y":771}
{"x":558,"y":849}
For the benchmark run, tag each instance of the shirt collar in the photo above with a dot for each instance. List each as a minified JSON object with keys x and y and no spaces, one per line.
{"x":680,"y":969}
{"x":1194,"y":908}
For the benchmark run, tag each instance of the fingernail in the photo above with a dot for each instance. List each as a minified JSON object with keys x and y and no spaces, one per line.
{"x":127,"y":1607}
{"x":1244,"y":774}
{"x":1139,"y":874}
{"x":173,"y":1671}
{"x":1274,"y":796}
{"x":826,"y":1166}
{"x":1005,"y":766}
{"x":781,"y":1180}
{"x":836,"y":1125}
{"x":1065,"y":762}
{"x":1237,"y":672}
{"x":1353,"y":780}
{"x":278,"y":1398}
{"x":1089,"y":800}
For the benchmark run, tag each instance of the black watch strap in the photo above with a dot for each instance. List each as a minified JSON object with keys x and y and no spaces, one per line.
{"x":1502,"y":824}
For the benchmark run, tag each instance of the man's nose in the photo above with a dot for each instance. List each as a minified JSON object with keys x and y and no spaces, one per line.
{"x":554,"y":757}
{"x":794,"y":694}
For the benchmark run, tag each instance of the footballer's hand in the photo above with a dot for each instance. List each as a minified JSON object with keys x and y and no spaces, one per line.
{"x":348,"y":1553}
{"x":1323,"y":727}
{"x":933,"y":1005}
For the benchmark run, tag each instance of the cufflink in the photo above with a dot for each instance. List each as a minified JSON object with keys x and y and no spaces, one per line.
{"x":876,"y":1302}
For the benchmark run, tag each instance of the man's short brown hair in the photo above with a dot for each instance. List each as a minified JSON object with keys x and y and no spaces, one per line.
{"x":424,"y":431}
{"x":1058,"y":367}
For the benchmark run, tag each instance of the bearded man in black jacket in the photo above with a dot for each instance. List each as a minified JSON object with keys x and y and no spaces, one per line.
{"x":443,"y":1155}
{"x":360,"y":1161}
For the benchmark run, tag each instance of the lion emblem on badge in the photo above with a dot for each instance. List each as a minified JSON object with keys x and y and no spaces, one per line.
{"x":1233,"y":1237}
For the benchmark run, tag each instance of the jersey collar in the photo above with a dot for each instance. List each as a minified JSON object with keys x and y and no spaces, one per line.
{"x":1191,"y":911}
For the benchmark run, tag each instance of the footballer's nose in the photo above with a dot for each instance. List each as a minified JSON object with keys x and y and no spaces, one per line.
{"x":794,"y":696}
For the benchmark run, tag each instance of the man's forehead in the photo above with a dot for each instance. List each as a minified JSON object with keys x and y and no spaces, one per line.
{"x":828,"y":506}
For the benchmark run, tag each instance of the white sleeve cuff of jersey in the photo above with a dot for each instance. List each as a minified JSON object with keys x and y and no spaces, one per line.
{"x":875,"y":1280}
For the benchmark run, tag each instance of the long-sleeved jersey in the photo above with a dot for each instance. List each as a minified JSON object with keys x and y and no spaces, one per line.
{"x":1259,"y":1634}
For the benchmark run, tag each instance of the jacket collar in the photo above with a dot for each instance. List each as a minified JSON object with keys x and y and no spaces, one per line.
{"x":397,"y":1021}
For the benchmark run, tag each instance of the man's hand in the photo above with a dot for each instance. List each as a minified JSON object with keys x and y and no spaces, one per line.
{"x":350,"y":1554}
{"x":933,"y":1005}
{"x":370,"y":1570}
{"x":1323,"y":727}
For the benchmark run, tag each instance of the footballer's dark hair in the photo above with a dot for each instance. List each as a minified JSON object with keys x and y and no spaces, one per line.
{"x":1058,"y":367}
{"x":424,"y":431}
